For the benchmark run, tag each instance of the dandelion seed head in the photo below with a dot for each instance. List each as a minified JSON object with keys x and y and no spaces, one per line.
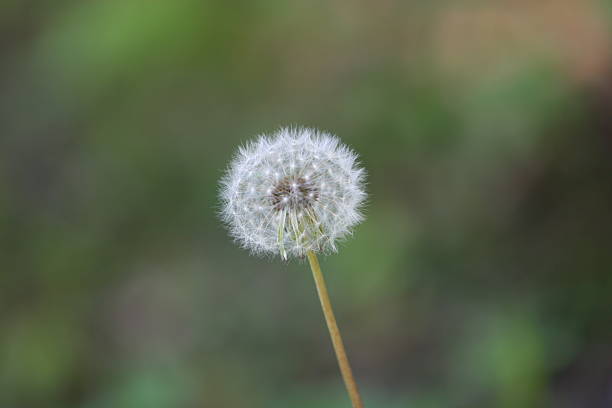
{"x":291,"y":192}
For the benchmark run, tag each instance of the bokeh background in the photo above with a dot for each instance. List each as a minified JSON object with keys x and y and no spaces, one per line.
{"x":481,"y":278}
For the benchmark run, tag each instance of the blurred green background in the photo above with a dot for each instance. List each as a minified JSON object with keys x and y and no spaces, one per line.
{"x":481,"y":278}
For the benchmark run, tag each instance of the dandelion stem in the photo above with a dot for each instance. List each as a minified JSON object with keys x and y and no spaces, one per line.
{"x":343,"y":362}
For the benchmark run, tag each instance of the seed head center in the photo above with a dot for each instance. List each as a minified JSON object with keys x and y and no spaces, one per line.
{"x":295,"y":193}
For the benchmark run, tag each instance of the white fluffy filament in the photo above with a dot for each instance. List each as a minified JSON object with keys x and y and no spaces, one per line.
{"x":295,"y":191}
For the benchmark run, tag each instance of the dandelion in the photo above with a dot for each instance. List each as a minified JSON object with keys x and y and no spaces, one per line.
{"x":295,"y":194}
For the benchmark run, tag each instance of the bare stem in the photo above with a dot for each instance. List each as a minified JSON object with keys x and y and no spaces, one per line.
{"x":343,"y":362}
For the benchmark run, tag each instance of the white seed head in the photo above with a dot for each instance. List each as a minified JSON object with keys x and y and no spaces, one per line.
{"x":294,"y":191}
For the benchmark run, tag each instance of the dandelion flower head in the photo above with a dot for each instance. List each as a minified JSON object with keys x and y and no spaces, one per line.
{"x":294,"y":191}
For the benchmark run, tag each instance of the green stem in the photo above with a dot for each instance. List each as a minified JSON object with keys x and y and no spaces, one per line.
{"x":343,"y":362}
